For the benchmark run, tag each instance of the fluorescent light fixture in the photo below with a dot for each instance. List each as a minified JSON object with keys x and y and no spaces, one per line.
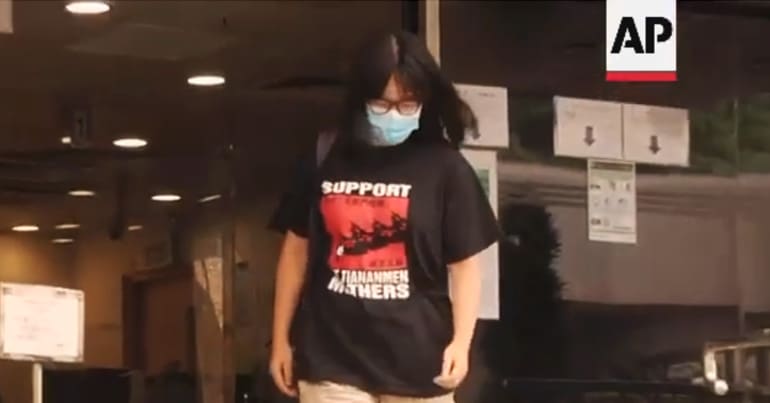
{"x":90,"y":7}
{"x":26,"y":228}
{"x":66,"y":140}
{"x":135,"y":227}
{"x":210,"y":198}
{"x":67,"y":226}
{"x":82,"y":193}
{"x":166,"y":197}
{"x":206,"y":80}
{"x":62,"y":240}
{"x":130,"y":142}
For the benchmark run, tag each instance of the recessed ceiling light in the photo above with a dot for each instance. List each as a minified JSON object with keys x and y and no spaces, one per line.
{"x":209,"y":198}
{"x":67,"y":226}
{"x":135,"y":227}
{"x":66,"y":140}
{"x":62,"y":240}
{"x":166,"y":197}
{"x":82,"y":193}
{"x":26,"y":228}
{"x":90,"y":7}
{"x":206,"y":80}
{"x":130,"y":142}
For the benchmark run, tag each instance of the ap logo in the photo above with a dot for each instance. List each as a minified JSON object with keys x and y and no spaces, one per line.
{"x":641,"y":40}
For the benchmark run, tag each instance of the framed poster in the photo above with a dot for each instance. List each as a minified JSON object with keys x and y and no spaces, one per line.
{"x":41,"y":323}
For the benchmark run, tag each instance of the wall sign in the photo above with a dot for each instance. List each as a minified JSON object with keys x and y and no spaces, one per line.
{"x":586,"y":128}
{"x":41,"y":323}
{"x":490,"y":104}
{"x":612,"y":201}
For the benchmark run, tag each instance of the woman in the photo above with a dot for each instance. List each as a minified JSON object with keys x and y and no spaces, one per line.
{"x":375,"y":232}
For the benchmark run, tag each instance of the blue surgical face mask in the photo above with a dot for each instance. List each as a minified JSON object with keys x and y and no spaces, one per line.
{"x":392,"y":128}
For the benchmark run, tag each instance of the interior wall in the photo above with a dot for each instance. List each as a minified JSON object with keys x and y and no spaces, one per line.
{"x":99,"y":267}
{"x":167,"y":317}
{"x":258,"y":250}
{"x":29,"y":259}
{"x":98,"y":264}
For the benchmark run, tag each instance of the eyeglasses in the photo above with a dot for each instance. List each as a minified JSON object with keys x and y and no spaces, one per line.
{"x":383,"y":106}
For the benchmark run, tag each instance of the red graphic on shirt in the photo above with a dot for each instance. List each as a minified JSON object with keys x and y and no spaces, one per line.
{"x":367,"y":232}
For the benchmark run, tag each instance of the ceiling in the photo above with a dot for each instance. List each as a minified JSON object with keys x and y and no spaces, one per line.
{"x":128,"y":70}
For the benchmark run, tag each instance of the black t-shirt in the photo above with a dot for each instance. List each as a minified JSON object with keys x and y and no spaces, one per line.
{"x":376,"y":312}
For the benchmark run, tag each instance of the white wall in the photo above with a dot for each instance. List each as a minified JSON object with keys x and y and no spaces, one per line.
{"x":702,"y":240}
{"x":677,"y":260}
{"x":100,"y":264}
{"x":753,"y":229}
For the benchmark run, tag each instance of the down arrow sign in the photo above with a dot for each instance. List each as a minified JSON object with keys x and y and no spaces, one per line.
{"x":654,"y":146}
{"x":589,"y":137}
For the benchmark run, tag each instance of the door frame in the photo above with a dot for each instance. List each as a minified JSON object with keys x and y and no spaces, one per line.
{"x":133,"y":288}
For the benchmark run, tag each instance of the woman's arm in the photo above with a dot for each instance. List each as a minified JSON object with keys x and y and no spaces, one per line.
{"x":469,"y":227}
{"x":290,"y":277}
{"x":465,"y":281}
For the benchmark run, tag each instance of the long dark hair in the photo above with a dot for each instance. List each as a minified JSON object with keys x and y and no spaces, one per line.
{"x":445,"y":117}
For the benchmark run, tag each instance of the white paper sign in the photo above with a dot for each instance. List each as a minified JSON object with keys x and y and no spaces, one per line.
{"x":490,"y":104}
{"x":612,"y":201}
{"x":41,"y":323}
{"x":586,"y":128}
{"x":485,"y":164}
{"x":656,"y":135}
{"x":6,"y":17}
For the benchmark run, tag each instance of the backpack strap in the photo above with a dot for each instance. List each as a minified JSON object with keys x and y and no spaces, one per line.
{"x":323,"y":144}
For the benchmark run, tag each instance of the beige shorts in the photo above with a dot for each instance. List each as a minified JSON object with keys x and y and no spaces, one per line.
{"x":328,"y":392}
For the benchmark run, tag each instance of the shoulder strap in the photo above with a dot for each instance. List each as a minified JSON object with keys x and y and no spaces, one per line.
{"x":323,"y":145}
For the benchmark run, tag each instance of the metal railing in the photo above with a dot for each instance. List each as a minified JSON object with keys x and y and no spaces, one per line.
{"x":740,"y":365}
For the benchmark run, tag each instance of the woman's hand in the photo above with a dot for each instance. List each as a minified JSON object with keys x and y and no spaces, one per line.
{"x":455,"y":366}
{"x":465,"y":277}
{"x":282,"y":368}
{"x":289,"y":279}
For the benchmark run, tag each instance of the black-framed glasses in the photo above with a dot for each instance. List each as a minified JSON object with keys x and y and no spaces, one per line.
{"x":383,"y":106}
